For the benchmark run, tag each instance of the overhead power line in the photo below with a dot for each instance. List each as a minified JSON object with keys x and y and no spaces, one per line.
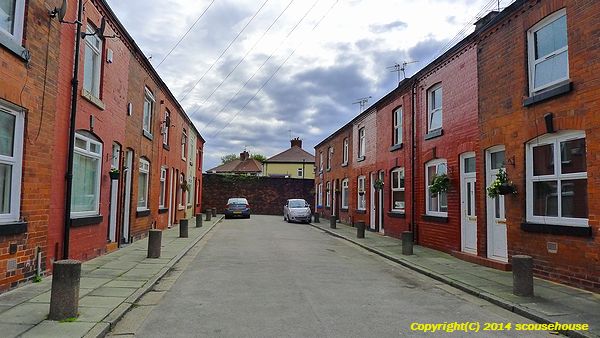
{"x":224,"y":51}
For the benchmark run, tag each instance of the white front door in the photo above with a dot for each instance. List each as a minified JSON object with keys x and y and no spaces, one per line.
{"x":373,"y":212}
{"x":380,"y":204}
{"x":114,"y":193}
{"x":127,"y":203}
{"x":496,"y":220}
{"x":467,"y":202}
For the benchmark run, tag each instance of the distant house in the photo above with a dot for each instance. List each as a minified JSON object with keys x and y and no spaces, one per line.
{"x":294,"y":163}
{"x":245,"y":165}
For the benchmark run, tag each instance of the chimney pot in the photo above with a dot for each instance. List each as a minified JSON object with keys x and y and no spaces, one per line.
{"x":296,"y":142}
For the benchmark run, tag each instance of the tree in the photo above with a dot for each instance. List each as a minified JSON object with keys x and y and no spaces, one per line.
{"x":229,"y":158}
{"x":259,"y":157}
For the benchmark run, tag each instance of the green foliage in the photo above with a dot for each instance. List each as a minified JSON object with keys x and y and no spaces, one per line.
{"x":37,"y":279}
{"x":259,"y":157}
{"x":378,"y":184}
{"x":68,"y":320}
{"x":440,"y":183}
{"x":229,"y":158}
{"x":501,"y":185}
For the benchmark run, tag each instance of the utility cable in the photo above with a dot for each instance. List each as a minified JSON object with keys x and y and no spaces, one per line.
{"x":275,"y":72}
{"x":185,"y":34}
{"x":224,"y":51}
{"x":259,"y":68}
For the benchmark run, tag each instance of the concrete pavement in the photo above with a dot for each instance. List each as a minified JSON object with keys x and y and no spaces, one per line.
{"x":552,"y":302}
{"x":110,"y":285}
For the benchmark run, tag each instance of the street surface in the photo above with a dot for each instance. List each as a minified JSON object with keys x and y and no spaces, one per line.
{"x":262,"y":277}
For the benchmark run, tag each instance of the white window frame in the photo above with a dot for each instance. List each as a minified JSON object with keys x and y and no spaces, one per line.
{"x":300,"y":172}
{"x":329,"y":156}
{"x":345,"y":155}
{"x":163,"y":187}
{"x":398,"y":172}
{"x":554,"y":139}
{"x":144,"y":168}
{"x":180,"y":191}
{"x":96,"y":155}
{"x":532,"y":61}
{"x":437,"y":164}
{"x":166,"y":128}
{"x":397,"y":126}
{"x":320,"y":195}
{"x":16,"y":163}
{"x":430,"y":108}
{"x":361,"y":200}
{"x":321,"y":161}
{"x":345,"y":194}
{"x":148,"y":112}
{"x":183,"y":144}
{"x":190,"y":191}
{"x":361,"y":142}
{"x":19,"y":19}
{"x":328,"y":194}
{"x":91,"y":39}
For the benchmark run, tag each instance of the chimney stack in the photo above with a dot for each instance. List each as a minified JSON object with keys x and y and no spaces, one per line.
{"x":244,"y":155}
{"x":296,"y":142}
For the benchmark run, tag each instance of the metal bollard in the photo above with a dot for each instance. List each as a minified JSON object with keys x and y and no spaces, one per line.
{"x":214,"y":212}
{"x":407,"y":243}
{"x":332,"y":221}
{"x":198,"y":220}
{"x":208,"y":214}
{"x":316,"y":217}
{"x":522,"y":267}
{"x":64,"y":297}
{"x":183,"y":228}
{"x":154,"y":243}
{"x":360,"y":229}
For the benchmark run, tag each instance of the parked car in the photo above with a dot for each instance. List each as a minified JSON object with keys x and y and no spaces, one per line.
{"x":237,"y":207}
{"x":296,"y":210}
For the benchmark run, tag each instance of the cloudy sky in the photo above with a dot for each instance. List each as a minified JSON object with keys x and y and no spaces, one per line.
{"x":252,"y":73}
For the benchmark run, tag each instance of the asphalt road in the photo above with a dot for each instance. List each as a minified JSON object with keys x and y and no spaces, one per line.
{"x":262,"y":277}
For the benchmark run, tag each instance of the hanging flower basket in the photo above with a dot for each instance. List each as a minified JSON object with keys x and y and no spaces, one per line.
{"x":185,"y":186}
{"x":378,"y":184}
{"x":439,"y":184}
{"x":114,"y":174}
{"x":501,"y":185}
{"x":361,"y":192}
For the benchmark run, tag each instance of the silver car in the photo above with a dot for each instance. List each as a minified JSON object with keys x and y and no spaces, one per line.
{"x":296,"y":210}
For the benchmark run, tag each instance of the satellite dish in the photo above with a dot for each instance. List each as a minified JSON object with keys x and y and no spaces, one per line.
{"x":62,"y":11}
{"x":102,"y":27}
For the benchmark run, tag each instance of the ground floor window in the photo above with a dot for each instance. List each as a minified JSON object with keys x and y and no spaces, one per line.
{"x":328,"y":194}
{"x":163,"y":187}
{"x":362,"y":199}
{"x":436,"y":204}
{"x":11,"y":151}
{"x":144,"y":173}
{"x":397,"y":190}
{"x":87,"y":158}
{"x":345,"y":192}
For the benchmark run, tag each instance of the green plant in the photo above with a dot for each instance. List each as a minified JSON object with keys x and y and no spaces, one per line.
{"x":501,"y":185}
{"x":185,"y":186}
{"x":114,"y":170}
{"x":439,"y":183}
{"x":68,"y":320}
{"x":37,"y":279}
{"x":378,"y":184}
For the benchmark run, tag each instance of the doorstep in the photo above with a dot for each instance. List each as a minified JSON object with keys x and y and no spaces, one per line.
{"x":490,"y":263}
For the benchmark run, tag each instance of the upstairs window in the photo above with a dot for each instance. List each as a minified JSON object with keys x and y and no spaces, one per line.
{"x":329,"y":156}
{"x":12,"y":13}
{"x":165,"y":128}
{"x":397,"y":188}
{"x":92,"y":62}
{"x":548,"y":52}
{"x":143,"y":176}
{"x":397,"y":125}
{"x":557,"y":179}
{"x":11,"y":152}
{"x":434,"y":108}
{"x":183,"y":144}
{"x":345,"y":155}
{"x":149,"y":102}
{"x":362,"y":199}
{"x":361,"y":142}
{"x":321,"y":161}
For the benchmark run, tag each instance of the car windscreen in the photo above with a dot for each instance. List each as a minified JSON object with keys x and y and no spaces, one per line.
{"x":297,"y":204}
{"x":237,"y":201}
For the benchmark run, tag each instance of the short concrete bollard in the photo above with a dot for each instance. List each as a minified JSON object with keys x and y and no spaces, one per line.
{"x":198,"y":220}
{"x":522,"y":267}
{"x":360,"y":229}
{"x":214,"y":212}
{"x":407,"y":243}
{"x":183,"y":228}
{"x":64,"y":297}
{"x":316,"y":217}
{"x":208,"y":214}
{"x":332,"y":221}
{"x":154,"y":243}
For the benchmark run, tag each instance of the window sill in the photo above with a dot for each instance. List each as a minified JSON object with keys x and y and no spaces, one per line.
{"x":147,"y":135}
{"x":327,"y":208}
{"x":86,"y":220}
{"x":13,"y":228}
{"x":344,"y":209}
{"x":142,"y":213}
{"x":434,"y":133}
{"x":396,"y":147}
{"x":14,"y":47}
{"x":345,"y":164}
{"x":92,"y":99}
{"x":435,"y":219}
{"x":556,"y":91}
{"x":567,"y":230}
{"x":360,"y":159}
{"x":166,"y":147}
{"x":180,"y":207}
{"x":361,"y":211}
{"x":396,"y":214}
{"x":328,"y":169}
{"x":162,"y":210}
{"x":189,"y":206}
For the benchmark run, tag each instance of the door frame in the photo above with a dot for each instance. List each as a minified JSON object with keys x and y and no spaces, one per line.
{"x":490,"y":175}
{"x":127,"y":179}
{"x":464,"y":218}
{"x":372,"y":204}
{"x":381,"y":176}
{"x":114,"y":194}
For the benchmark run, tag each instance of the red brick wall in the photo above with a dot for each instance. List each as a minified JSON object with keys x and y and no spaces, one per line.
{"x":32,"y":86}
{"x":503,"y":85}
{"x":458,"y":77}
{"x":266,"y":195}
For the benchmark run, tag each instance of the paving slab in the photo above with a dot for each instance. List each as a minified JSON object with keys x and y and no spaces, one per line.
{"x":118,"y":283}
{"x":26,"y":313}
{"x":14,"y":330}
{"x":113,"y":292}
{"x":52,"y":329}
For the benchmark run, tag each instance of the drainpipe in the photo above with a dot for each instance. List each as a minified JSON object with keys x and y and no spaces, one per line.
{"x":413,"y":227}
{"x":69,"y":175}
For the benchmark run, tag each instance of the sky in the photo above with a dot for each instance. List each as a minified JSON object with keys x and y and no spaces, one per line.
{"x":252,"y":74}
